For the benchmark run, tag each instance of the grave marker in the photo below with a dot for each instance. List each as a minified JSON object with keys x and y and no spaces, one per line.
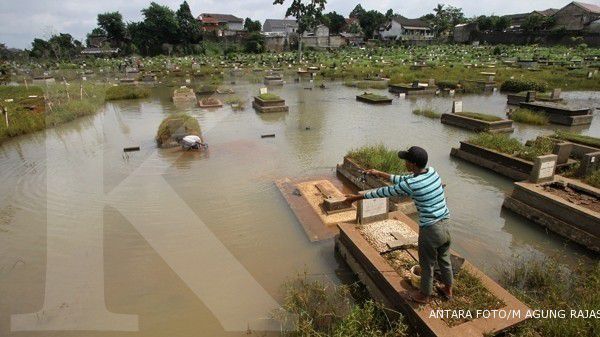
{"x":371,"y":210}
{"x":563,"y":151}
{"x":555,"y":93}
{"x":457,"y":106}
{"x":543,"y":168}
{"x":263,"y":91}
{"x":589,"y":163}
{"x":530,"y":96}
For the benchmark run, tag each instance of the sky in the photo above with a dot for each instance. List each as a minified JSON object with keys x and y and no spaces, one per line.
{"x":23,"y":20}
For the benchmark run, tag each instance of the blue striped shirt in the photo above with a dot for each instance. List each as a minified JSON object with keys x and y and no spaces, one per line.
{"x":426,"y":191}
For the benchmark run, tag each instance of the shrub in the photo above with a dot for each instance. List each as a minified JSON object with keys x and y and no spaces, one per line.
{"x":527,"y":116}
{"x":378,"y":157}
{"x":428,"y":112}
{"x":177,"y":124}
{"x":517,"y":85}
{"x":126,"y":92}
{"x":593,"y":179}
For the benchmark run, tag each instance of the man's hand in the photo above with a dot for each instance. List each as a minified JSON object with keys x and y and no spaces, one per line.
{"x":353,"y":197}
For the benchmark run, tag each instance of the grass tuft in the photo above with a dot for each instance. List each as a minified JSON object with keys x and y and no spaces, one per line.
{"x":427,"y":112}
{"x":180,"y":124}
{"x":378,"y":157}
{"x":511,"y":146}
{"x":269,"y":97}
{"x":479,"y":116}
{"x":126,"y":92}
{"x":526,"y":116}
{"x":578,"y":138}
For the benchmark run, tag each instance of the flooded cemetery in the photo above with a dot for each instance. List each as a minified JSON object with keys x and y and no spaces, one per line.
{"x":275,"y":147}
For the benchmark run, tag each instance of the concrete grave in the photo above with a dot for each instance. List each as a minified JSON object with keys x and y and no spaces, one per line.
{"x":530,"y":96}
{"x":371,"y":210}
{"x":543,"y":168}
{"x":555,"y":93}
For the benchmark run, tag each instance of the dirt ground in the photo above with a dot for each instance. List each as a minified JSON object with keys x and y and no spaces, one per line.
{"x":578,"y":198}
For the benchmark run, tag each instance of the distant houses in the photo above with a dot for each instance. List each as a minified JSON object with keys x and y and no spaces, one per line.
{"x":221,"y":24}
{"x":412,"y":31}
{"x":279,"y":27}
{"x":577,"y":16}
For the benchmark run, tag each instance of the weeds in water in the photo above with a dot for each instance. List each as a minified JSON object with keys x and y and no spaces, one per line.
{"x":378,"y":157}
{"x":236,"y":102}
{"x":321,"y":308}
{"x":544,"y":284}
{"x":526,"y":116}
{"x":427,"y":112}
{"x":126,"y":92}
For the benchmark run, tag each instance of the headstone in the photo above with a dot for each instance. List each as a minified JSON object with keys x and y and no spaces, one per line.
{"x":543,"y":168}
{"x":589,"y":163}
{"x":332,"y":204}
{"x":431,"y":82}
{"x":555,"y":93}
{"x":457,"y":106}
{"x":371,"y":210}
{"x":263,"y":91}
{"x":415,"y":84}
{"x":590,"y":74}
{"x":563,"y":151}
{"x":491,"y":79}
{"x":451,"y":92}
{"x":402,"y":95}
{"x":530,"y":96}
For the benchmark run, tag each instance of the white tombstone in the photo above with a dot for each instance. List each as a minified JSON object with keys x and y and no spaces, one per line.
{"x":556,"y":93}
{"x":264,"y":90}
{"x":371,"y":210}
{"x":457,"y":106}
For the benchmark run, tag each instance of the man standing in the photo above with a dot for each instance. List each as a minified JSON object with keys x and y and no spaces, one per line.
{"x":425,"y":188}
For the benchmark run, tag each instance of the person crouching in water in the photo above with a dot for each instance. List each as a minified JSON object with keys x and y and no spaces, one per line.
{"x":192,"y":142}
{"x":425,"y":188}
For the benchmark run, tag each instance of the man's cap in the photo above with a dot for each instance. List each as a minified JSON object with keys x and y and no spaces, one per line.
{"x":415,"y":155}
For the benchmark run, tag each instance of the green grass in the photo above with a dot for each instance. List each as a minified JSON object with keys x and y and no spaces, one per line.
{"x":526,"y":116}
{"x":28,"y":115}
{"x":519,"y":85}
{"x":323,"y":309}
{"x":179,"y":123}
{"x":374,"y":97}
{"x":237,"y":101}
{"x":427,"y":112}
{"x":126,"y":92}
{"x":544,"y":284}
{"x":578,"y":138}
{"x":480,"y":116}
{"x":511,"y":146}
{"x":367,"y":84}
{"x":269,"y":97}
{"x":378,"y":157}
{"x":593,"y":179}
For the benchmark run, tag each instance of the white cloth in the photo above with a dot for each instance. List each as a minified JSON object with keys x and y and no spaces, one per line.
{"x":192,"y":139}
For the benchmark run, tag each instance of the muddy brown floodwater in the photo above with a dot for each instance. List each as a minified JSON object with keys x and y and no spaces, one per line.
{"x":159,"y":239}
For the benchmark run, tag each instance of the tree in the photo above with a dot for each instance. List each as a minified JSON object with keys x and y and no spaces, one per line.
{"x":255,"y":43}
{"x":357,"y":11}
{"x":252,"y":26}
{"x":389,"y":14}
{"x":112,"y":24}
{"x":40,"y":49}
{"x":189,"y":28}
{"x":370,"y":22}
{"x":159,"y":27}
{"x":536,"y":22}
{"x":335,"y":22}
{"x":501,"y":24}
{"x":446,"y":17}
{"x":307,"y":16}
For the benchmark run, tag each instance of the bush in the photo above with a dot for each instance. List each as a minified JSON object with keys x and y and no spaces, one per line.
{"x":527,"y":116}
{"x":516,"y":85}
{"x":126,"y":92}
{"x":378,"y":157}
{"x":428,"y":112}
{"x":177,"y":124}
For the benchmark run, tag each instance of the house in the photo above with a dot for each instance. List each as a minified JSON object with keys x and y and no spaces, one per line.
{"x":577,"y":16}
{"x":517,"y":20}
{"x":221,"y":24}
{"x":319,"y":31}
{"x":279,"y":27}
{"x":462,"y":32}
{"x":400,"y":28}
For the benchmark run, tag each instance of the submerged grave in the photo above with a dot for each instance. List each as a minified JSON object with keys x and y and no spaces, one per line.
{"x":209,"y":102}
{"x":531,"y":96}
{"x":373,"y":98}
{"x":268,"y":102}
{"x":477,"y":122}
{"x":561,"y":113}
{"x":382,"y":252}
{"x":184,"y":94}
{"x":415,"y":88}
{"x":568,"y":207}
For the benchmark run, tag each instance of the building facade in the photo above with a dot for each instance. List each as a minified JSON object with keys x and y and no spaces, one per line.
{"x":400,"y":28}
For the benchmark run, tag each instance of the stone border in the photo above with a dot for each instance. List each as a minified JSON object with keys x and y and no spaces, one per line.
{"x":383,"y":281}
{"x":269,"y":106}
{"x":561,"y":115}
{"x":577,"y":223}
{"x":477,"y":125}
{"x":351,"y":171}
{"x":208,"y":106}
{"x":410,"y":90}
{"x":506,"y":165}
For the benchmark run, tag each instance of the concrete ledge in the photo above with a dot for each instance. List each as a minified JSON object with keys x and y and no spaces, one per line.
{"x":477,"y":125}
{"x":511,"y":167}
{"x":361,"y":98}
